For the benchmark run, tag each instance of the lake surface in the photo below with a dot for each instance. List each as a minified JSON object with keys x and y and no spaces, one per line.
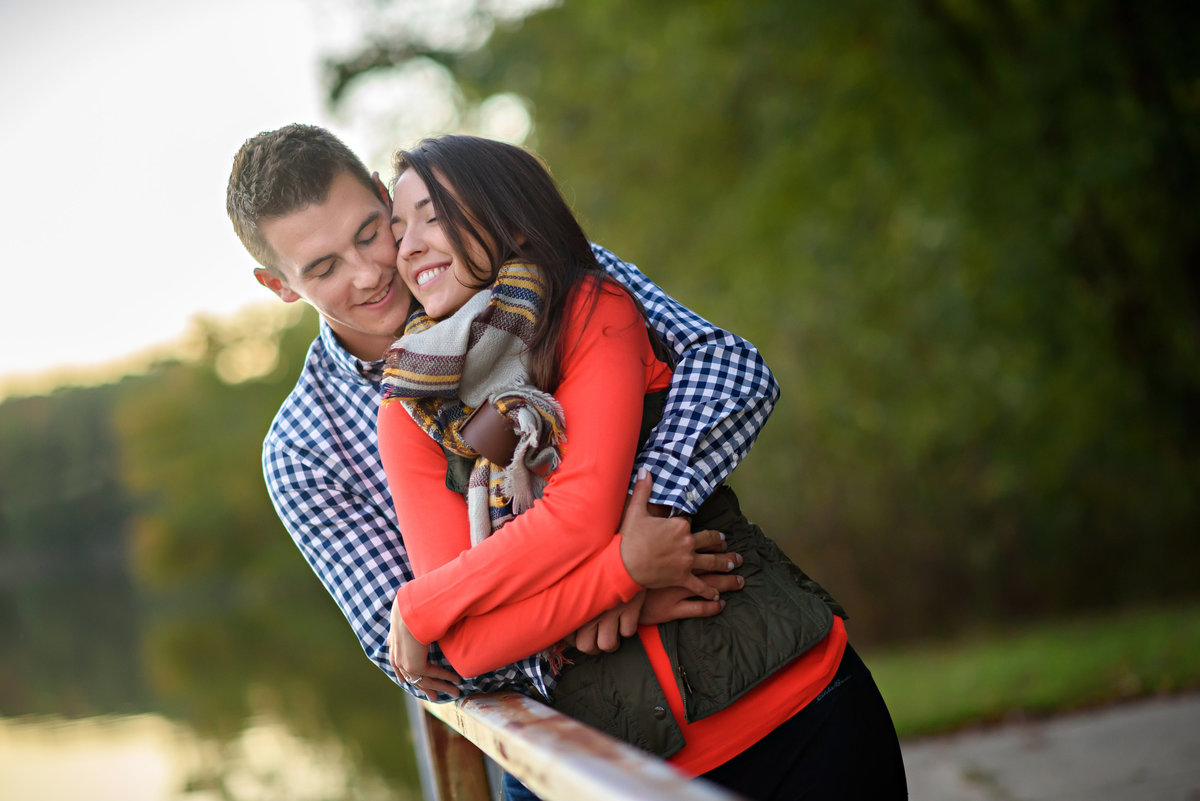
{"x":111,"y":690}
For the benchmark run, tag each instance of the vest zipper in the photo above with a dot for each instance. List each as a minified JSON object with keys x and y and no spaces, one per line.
{"x":687,"y":686}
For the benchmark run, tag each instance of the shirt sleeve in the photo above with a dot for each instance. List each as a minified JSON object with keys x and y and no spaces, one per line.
{"x":721,"y":395}
{"x":603,"y":384}
{"x":350,"y":543}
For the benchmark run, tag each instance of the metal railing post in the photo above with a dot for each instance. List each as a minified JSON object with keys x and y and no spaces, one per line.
{"x":557,"y":757}
{"x":451,"y":768}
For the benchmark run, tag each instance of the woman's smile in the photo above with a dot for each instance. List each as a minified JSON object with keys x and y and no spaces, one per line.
{"x":424,"y":275}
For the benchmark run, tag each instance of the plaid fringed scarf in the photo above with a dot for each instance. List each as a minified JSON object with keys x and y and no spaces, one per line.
{"x":442,"y":370}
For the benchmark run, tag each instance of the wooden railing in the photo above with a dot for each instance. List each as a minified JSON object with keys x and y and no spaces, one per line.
{"x":557,"y":757}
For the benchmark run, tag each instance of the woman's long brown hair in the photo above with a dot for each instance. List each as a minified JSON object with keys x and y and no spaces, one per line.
{"x":503,"y":198}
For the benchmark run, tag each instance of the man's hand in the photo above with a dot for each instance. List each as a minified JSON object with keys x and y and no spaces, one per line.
{"x":650,"y":608}
{"x":410,"y":659}
{"x":676,"y":603}
{"x":663,"y":552}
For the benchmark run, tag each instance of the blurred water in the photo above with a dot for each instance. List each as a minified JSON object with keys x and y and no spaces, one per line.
{"x":106,"y":693}
{"x":151,"y":758}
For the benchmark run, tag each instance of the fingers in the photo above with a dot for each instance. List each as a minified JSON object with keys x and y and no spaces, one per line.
{"x":609,"y":627}
{"x":608,"y":635}
{"x":716,"y":562}
{"x":676,"y":603}
{"x":394,"y":655}
{"x":698,"y":586}
{"x":431,"y":687}
{"x":429,"y":671}
{"x":709,"y":541}
{"x":714,"y":584}
{"x":724,"y":582}
{"x":640,"y":497}
{"x":629,"y":621}
{"x":585,"y":638}
{"x":430,"y":679}
{"x":698,"y":608}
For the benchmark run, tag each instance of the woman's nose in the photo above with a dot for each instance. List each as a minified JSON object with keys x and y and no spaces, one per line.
{"x":410,"y":244}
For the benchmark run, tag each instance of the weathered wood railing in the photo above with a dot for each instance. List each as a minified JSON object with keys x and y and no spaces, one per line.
{"x":557,"y":757}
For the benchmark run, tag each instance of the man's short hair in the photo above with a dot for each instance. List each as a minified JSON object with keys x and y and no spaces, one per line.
{"x":282,"y":171}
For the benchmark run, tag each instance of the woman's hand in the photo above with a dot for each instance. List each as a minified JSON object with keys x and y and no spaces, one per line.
{"x":605,"y":631}
{"x":410,"y":659}
{"x":663,"y":551}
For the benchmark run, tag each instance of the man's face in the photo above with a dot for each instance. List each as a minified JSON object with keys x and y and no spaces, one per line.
{"x":339,"y":256}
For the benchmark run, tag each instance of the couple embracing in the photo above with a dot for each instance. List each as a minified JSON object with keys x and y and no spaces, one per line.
{"x":455,"y":463}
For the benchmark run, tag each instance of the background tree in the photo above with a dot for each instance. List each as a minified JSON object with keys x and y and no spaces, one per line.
{"x":961,"y":234}
{"x":65,"y":591}
{"x":239,"y":625}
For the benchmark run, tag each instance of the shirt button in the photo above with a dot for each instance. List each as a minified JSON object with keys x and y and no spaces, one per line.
{"x":659,"y":712}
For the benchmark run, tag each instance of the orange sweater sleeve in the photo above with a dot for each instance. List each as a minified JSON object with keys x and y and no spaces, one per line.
{"x":500,"y":637}
{"x":605,"y":373}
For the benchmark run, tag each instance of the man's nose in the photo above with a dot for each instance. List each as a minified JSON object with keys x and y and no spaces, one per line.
{"x":367,"y":272}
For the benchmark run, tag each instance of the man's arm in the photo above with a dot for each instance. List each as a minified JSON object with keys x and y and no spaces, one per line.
{"x":353,"y":547}
{"x":720,"y":397}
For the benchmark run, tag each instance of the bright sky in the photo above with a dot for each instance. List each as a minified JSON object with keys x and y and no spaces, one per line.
{"x":121,"y":119}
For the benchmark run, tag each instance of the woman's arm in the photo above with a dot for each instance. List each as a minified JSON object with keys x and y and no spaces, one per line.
{"x":604,"y":380}
{"x":485,"y":642}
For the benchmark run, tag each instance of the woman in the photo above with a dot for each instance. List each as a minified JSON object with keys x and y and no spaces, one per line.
{"x":766,"y":697}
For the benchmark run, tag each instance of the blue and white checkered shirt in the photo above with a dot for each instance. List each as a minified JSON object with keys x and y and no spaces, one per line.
{"x":324,"y":476}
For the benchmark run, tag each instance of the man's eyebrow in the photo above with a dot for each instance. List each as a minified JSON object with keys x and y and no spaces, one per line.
{"x":312,"y":265}
{"x":372,"y":217}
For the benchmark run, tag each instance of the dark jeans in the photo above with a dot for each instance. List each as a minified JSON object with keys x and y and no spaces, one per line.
{"x":841,"y":746}
{"x":515,"y":791}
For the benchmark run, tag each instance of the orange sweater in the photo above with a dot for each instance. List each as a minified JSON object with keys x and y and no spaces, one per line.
{"x":558,"y":565}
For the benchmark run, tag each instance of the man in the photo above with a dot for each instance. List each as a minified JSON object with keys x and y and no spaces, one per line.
{"x":308,"y":211}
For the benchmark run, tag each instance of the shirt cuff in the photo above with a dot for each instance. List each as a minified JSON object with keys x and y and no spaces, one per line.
{"x":676,"y":484}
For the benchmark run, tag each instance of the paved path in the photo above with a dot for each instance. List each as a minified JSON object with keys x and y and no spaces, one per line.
{"x":1139,"y":751}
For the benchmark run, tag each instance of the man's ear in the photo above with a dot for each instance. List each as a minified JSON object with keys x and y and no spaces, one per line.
{"x":384,"y":195}
{"x":274,"y":283}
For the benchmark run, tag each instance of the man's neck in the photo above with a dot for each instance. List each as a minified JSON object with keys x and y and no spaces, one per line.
{"x":364,"y":347}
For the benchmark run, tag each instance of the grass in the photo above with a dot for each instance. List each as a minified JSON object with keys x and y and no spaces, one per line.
{"x":1043,"y":669}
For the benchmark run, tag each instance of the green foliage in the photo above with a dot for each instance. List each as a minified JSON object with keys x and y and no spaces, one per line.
{"x":961,"y":234}
{"x":63,"y":558}
{"x":59,"y":474}
{"x":241,"y":624}
{"x":142,"y":567}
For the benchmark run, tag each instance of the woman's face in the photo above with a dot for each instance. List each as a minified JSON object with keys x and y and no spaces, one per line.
{"x":425,"y":257}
